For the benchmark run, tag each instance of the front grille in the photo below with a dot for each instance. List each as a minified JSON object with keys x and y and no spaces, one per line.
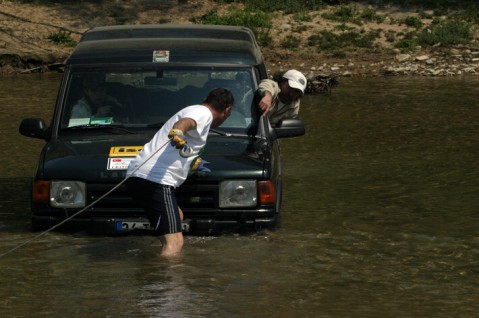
{"x":117,"y":199}
{"x":190,"y":197}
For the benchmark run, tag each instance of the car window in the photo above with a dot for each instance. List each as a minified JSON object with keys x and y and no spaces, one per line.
{"x":147,"y":98}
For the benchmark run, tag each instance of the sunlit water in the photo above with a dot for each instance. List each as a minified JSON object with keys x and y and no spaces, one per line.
{"x":380,"y":217}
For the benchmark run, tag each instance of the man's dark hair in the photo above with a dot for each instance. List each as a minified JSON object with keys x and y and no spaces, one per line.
{"x":220,"y":99}
{"x":278,"y":77}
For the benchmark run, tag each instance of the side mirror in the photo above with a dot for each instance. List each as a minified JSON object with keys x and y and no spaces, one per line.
{"x":33,"y":127}
{"x":289,"y":128}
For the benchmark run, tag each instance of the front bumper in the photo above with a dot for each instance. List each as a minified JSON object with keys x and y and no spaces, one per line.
{"x":109,"y":225}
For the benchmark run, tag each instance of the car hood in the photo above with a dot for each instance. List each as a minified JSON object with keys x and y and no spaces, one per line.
{"x":87,"y":158}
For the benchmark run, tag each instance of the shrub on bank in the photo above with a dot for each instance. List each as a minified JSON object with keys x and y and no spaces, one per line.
{"x":328,"y":41}
{"x":287,"y":6}
{"x":447,"y":34}
{"x":259,"y":22}
{"x":62,"y":38}
{"x":414,"y":22}
{"x":290,"y":42}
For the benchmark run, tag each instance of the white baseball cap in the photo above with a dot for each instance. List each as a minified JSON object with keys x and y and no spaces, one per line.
{"x":296,"y":79}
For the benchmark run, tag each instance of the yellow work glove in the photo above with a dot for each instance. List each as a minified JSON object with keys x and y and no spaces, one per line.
{"x":177,"y":138}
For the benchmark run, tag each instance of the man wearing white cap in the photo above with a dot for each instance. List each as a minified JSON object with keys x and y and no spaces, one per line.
{"x":281,"y":99}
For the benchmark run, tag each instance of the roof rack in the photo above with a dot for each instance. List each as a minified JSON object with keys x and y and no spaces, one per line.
{"x":220,"y":32}
{"x":213,"y":44}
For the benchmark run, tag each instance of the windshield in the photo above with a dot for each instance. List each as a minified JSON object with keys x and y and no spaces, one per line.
{"x":148,"y":98}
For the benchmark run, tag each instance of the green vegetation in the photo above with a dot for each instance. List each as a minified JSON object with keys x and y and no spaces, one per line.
{"x":406,"y":44}
{"x":344,"y":27}
{"x":287,"y":6}
{"x":236,"y":16}
{"x":371,"y":16}
{"x":344,"y":37}
{"x":338,"y":54}
{"x":328,"y":41}
{"x":49,"y":2}
{"x":294,"y":6}
{"x":470,"y":15}
{"x":62,"y":38}
{"x":428,"y":4}
{"x":258,"y":15}
{"x":431,"y":26}
{"x":343,"y":14}
{"x":414,"y":22}
{"x":337,"y":45}
{"x":302,"y":17}
{"x":290,"y":42}
{"x":447,"y":34}
{"x":259,"y":22}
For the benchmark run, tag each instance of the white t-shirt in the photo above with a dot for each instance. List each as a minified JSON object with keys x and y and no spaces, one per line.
{"x":167,"y":166}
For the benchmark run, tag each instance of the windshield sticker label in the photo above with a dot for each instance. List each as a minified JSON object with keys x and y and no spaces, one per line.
{"x":90,"y":121}
{"x":78,"y":122}
{"x":101,"y":120}
{"x":161,"y":56}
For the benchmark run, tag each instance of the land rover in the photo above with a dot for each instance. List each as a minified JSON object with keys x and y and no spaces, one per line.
{"x":152,"y":71}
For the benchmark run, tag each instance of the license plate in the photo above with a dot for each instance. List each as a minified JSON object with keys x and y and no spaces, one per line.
{"x":126,"y":226}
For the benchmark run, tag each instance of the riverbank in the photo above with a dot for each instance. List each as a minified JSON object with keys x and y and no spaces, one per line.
{"x":27,"y":31}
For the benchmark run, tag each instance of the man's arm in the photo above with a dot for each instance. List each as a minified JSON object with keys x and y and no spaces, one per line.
{"x":177,"y":133}
{"x":267,"y":88}
{"x":185,"y":124}
{"x":265,"y":102}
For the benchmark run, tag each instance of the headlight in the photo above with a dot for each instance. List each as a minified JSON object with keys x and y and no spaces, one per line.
{"x":238,"y":193}
{"x":67,"y":194}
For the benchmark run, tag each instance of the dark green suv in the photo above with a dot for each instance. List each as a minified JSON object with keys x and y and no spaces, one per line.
{"x":149,"y":72}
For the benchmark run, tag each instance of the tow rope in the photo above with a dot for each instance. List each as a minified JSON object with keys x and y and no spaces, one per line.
{"x":185,"y":152}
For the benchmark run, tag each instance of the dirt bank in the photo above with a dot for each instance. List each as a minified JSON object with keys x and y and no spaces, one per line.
{"x":25,"y":28}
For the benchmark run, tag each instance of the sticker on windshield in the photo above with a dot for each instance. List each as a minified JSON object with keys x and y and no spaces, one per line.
{"x":101,"y":120}
{"x":90,"y":121}
{"x":78,"y":122}
{"x":161,"y":56}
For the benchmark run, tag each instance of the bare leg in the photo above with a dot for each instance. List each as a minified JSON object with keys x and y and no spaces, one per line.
{"x":181,"y":213}
{"x":172,"y":244}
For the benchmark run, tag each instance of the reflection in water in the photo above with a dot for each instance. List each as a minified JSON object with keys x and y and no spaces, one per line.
{"x":379,"y":219}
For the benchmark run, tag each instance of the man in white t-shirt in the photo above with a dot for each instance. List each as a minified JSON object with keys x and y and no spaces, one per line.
{"x":158,"y":169}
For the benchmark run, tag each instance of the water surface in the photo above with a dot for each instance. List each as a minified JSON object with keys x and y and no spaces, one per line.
{"x":379,"y":220}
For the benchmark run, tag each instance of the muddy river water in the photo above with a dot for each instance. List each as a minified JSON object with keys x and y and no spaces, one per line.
{"x":380,"y":219}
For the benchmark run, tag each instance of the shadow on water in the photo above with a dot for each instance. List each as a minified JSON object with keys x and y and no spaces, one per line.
{"x":379,"y":219}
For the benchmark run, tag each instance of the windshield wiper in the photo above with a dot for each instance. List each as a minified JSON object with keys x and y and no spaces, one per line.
{"x":156,"y":125}
{"x":226,"y":134}
{"x":98,"y":126}
{"x":219,"y":132}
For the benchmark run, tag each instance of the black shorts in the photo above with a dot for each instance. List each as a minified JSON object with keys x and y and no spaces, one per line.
{"x":159,"y":202}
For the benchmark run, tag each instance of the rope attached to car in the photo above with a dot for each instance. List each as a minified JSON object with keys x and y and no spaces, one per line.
{"x":186,"y":153}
